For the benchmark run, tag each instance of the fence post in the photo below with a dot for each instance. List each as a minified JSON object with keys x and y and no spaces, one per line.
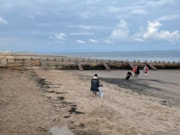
{"x":23,"y":63}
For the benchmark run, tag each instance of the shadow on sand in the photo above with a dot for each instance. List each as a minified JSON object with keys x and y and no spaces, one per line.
{"x":137,"y":85}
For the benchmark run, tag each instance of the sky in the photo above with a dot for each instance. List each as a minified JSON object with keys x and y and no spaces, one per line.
{"x":89,"y":25}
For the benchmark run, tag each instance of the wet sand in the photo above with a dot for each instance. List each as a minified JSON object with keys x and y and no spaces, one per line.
{"x":161,"y":83}
{"x":33,"y":101}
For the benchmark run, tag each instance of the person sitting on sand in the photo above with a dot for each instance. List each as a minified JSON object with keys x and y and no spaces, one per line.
{"x":94,"y":84}
{"x":101,"y":91}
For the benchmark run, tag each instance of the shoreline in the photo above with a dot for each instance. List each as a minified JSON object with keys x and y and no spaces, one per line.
{"x":120,"y":56}
{"x":157,"y":84}
{"x":28,"y":61}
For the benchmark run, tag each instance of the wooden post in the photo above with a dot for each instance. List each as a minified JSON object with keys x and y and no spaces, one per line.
{"x":80,"y":67}
{"x":152,"y":67}
{"x":130,"y":64}
{"x":23,"y":63}
{"x":106,"y":67}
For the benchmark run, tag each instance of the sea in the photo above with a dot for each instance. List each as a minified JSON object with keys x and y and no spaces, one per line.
{"x":142,"y":56}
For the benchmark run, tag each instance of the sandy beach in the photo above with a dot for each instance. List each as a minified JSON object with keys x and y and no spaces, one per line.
{"x":33,"y":101}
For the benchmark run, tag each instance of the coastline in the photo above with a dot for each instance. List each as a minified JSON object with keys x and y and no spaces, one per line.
{"x":142,"y":56}
{"x":29,"y":61}
{"x":35,"y":100}
{"x":161,"y":83}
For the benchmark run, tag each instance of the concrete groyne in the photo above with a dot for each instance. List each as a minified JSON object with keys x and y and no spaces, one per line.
{"x":33,"y":61}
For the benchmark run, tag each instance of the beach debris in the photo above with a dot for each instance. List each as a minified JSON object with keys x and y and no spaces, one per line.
{"x":164,"y":102}
{"x":67,"y":116}
{"x":42,"y":128}
{"x":56,"y":98}
{"x":74,"y":110}
{"x":82,"y":125}
{"x":61,"y":98}
{"x":61,"y":92}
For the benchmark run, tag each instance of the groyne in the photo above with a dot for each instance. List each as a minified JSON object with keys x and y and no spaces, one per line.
{"x":34,"y":61}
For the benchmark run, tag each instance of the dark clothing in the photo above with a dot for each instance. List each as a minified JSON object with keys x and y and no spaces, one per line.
{"x":137,"y":72}
{"x":94,"y":84}
{"x":129,"y":74}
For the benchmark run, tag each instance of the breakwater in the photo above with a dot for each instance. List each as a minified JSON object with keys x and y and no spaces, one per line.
{"x":34,"y":61}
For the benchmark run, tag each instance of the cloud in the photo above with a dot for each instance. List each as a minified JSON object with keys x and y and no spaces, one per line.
{"x":60,"y":36}
{"x":160,"y":3}
{"x":88,"y":27}
{"x":3,"y":21}
{"x":139,"y":12}
{"x":87,"y":14}
{"x":114,"y":9}
{"x":93,"y":41}
{"x":139,"y":39}
{"x":126,"y":10}
{"x":81,"y":34}
{"x":6,"y":6}
{"x":121,"y":32}
{"x":91,"y":21}
{"x":153,"y":32}
{"x":80,"y":41}
{"x":169,"y":36}
{"x":169,"y":17}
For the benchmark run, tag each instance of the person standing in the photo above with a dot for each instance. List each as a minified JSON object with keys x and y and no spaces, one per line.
{"x":134,"y":70}
{"x":101,"y":91}
{"x":137,"y":72}
{"x":95,"y":84}
{"x":146,"y":69}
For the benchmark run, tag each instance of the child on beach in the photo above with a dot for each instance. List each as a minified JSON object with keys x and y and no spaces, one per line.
{"x":101,"y":91}
{"x":146,"y":69}
{"x":136,"y":71}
